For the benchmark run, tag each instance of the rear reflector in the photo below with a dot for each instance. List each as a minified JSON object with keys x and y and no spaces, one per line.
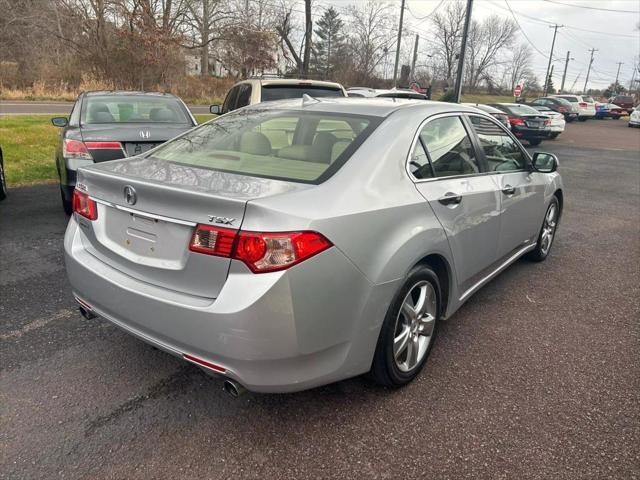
{"x":204,"y":363}
{"x":516,"y":121}
{"x":83,"y":205}
{"x":582,"y":105}
{"x":104,"y":145}
{"x":261,"y":252}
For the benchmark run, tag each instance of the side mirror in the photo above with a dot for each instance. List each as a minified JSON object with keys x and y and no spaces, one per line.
{"x":215,"y":109}
{"x":545,"y":162}
{"x":60,"y":121}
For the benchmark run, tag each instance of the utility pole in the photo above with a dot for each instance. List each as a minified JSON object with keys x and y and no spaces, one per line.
{"x":550,"y":77}
{"x":395,"y":68}
{"x":586,"y":80}
{"x":463,"y":48}
{"x":564,"y":75}
{"x":415,"y":57}
{"x":553,"y":44}
{"x":618,"y":73}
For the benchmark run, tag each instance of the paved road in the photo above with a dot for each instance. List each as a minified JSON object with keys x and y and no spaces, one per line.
{"x":9,"y":107}
{"x":537,"y":376}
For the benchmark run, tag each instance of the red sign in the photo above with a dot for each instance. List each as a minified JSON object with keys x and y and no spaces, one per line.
{"x":517,"y":91}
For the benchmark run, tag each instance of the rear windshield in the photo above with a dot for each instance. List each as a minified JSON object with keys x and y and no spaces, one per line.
{"x":132,"y":109}
{"x":283,"y":92}
{"x":587,"y":99}
{"x":520,"y":109}
{"x":287,"y":145}
{"x":418,"y":96}
{"x":623,"y":98}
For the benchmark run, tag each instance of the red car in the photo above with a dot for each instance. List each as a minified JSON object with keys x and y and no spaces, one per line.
{"x":625,"y":102}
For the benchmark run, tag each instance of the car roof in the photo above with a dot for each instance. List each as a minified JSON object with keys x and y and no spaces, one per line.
{"x":114,"y":93}
{"x":376,"y":107}
{"x":483,"y":107}
{"x":290,"y":81}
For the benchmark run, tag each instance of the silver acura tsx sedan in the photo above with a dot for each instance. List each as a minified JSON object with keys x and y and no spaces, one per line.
{"x":296,"y":243}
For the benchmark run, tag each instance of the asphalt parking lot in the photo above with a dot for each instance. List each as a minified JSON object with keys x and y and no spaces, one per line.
{"x":537,"y":376}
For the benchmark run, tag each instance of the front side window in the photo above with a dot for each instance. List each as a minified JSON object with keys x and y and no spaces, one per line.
{"x":449,"y":147}
{"x":289,"y":145}
{"x":501,"y":151}
{"x":132,"y":109}
{"x":244,"y":96}
{"x":230,"y":101}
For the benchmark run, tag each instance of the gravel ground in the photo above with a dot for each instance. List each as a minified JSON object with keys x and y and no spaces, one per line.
{"x":537,"y":376}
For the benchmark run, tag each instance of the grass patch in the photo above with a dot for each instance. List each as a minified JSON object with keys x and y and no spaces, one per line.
{"x":482,"y":98}
{"x":28,"y":145}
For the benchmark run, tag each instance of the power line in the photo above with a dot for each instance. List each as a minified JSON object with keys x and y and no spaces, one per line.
{"x":592,"y":8}
{"x":522,"y":30}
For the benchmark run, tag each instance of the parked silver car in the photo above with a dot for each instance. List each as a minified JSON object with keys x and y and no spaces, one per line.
{"x":297,"y":243}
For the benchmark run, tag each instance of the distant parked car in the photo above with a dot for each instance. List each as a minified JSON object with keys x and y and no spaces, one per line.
{"x":609,"y":110}
{"x":267,"y":89}
{"x":494,"y":112}
{"x":110,"y":125}
{"x":557,"y":120}
{"x":560,"y":105}
{"x":586,"y":105}
{"x":634,"y":119}
{"x":385,"y":93}
{"x":625,"y":102}
{"x":526,"y":122}
{"x":3,"y":182}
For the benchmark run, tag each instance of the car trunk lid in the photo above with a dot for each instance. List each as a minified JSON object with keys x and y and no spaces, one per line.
{"x":147,"y":211}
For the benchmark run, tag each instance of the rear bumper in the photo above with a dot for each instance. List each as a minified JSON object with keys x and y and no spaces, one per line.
{"x":531,"y":134}
{"x":311,"y":325}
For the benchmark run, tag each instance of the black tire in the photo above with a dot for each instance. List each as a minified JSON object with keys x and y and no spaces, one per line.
{"x":554,"y":135}
{"x":535,"y":143}
{"x":539,"y":254}
{"x":570,"y":119}
{"x":67,"y":206}
{"x":3,"y":182}
{"x":384,"y":369}
{"x":582,"y":119}
{"x":616,"y":118}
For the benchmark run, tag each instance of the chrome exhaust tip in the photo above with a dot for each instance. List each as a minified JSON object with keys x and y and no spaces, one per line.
{"x":233,"y":388}
{"x":86,"y":313}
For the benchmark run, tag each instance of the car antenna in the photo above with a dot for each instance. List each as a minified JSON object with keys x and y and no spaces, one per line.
{"x":308,"y":100}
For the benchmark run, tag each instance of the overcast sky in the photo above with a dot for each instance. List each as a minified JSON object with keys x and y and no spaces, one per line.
{"x":619,"y":42}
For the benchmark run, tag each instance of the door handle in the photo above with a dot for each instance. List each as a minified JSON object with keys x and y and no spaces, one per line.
{"x":509,"y":190}
{"x":450,"y":198}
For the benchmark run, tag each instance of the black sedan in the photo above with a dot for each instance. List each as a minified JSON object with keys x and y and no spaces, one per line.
{"x":559,"y":105}
{"x":526,"y":122}
{"x":109,"y":125}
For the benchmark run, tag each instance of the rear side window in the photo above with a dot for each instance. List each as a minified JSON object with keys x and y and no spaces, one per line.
{"x":289,"y":145}
{"x":501,"y":151}
{"x":283,"y":92}
{"x":449,"y":147}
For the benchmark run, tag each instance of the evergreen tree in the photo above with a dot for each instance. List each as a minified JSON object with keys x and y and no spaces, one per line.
{"x":330,"y":43}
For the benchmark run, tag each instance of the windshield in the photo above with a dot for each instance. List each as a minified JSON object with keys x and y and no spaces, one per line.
{"x":132,"y":109}
{"x":288,"y":145}
{"x":283,"y":92}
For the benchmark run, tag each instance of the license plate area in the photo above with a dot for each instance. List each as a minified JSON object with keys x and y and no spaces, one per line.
{"x":138,"y":148}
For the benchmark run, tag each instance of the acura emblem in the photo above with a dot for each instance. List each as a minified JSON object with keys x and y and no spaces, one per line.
{"x":130,"y":195}
{"x":144,"y":133}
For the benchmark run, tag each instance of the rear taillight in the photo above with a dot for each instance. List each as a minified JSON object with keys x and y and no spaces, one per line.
{"x":261,"y":252}
{"x":516,"y":121}
{"x":84,"y":206}
{"x":583,"y":105}
{"x":104,"y":145}
{"x":547,"y":122}
{"x":562,"y":109}
{"x":75,"y":149}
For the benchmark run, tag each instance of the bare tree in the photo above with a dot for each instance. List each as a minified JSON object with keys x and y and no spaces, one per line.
{"x":371,"y":28}
{"x":448,"y":24}
{"x":203,"y":16}
{"x":487,"y":40}
{"x":519,"y":65}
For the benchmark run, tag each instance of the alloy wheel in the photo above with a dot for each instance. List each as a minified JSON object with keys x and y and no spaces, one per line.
{"x":549,"y":228}
{"x":414,"y":326}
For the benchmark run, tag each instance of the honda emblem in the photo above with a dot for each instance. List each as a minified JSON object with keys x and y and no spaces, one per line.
{"x":144,"y":134}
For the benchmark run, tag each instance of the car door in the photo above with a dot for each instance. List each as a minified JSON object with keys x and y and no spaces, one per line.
{"x":521,"y":191}
{"x":449,"y":175}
